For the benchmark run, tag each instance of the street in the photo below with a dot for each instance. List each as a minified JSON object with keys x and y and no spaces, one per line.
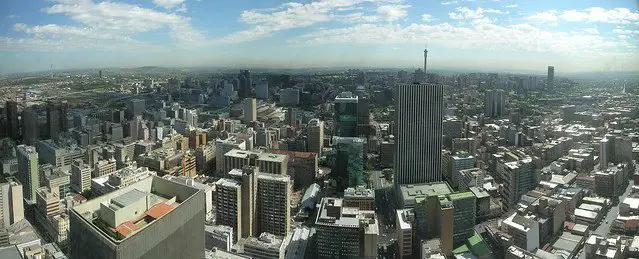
{"x":604,"y":227}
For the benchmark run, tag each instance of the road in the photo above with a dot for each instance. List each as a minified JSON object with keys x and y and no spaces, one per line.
{"x":604,"y":228}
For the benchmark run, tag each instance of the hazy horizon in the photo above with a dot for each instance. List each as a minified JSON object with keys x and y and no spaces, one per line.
{"x":484,"y":35}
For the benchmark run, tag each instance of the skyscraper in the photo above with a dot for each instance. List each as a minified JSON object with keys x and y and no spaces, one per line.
{"x":495,"y":103}
{"x":349,"y":161}
{"x":28,"y":171}
{"x":346,"y":115}
{"x":425,"y":59}
{"x":245,"y":84}
{"x":418,"y":144}
{"x":30,"y":126}
{"x":56,"y":118}
{"x":274,"y":197}
{"x":11,"y":204}
{"x":250,"y":110}
{"x":315,"y":129}
{"x":551,"y":76}
{"x":12,"y":119}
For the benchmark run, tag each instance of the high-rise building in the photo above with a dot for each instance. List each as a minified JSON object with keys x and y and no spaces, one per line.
{"x":250,"y":110}
{"x":495,"y":103}
{"x":346,"y":115}
{"x":11,"y":203}
{"x":453,"y":163}
{"x":12,"y":120}
{"x":57,"y":120}
{"x":228,"y":204}
{"x":261,"y":90}
{"x":289,"y":97}
{"x":59,"y":153}
{"x":136,"y":107}
{"x":349,"y":162}
{"x":248,"y":186}
{"x":551,"y":76}
{"x":80,"y":176}
{"x":463,"y":216}
{"x":273,"y":204}
{"x":418,"y":143}
{"x":28,"y":173}
{"x":151,"y":218}
{"x":30,"y":129}
{"x":345,"y":232}
{"x":315,"y":136}
{"x":245,"y":84}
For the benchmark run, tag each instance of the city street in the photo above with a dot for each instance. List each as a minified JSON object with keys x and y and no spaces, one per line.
{"x":604,"y":227}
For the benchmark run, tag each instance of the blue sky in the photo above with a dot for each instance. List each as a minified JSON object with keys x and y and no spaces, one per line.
{"x":489,"y":35}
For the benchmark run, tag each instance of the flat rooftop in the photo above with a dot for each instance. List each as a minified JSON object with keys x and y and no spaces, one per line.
{"x":411,"y":192}
{"x":151,"y":198}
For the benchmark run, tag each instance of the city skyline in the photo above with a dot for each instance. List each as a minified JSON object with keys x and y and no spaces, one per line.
{"x":577,"y":36}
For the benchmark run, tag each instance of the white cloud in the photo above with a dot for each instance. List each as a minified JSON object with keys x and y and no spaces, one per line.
{"x":591,"y":15}
{"x":598,"y":14}
{"x":449,"y":2}
{"x":549,"y":16}
{"x":105,"y":25}
{"x":296,"y":15}
{"x":465,"y":13}
{"x":511,"y":6}
{"x":591,"y":30}
{"x":481,"y":34}
{"x":626,"y":32}
{"x":168,"y":4}
{"x":392,"y":12}
{"x":427,"y":17}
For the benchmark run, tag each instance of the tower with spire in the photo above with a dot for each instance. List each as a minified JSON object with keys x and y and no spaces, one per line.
{"x":425,"y":57}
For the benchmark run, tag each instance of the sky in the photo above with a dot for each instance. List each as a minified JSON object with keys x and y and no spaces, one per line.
{"x":485,"y":35}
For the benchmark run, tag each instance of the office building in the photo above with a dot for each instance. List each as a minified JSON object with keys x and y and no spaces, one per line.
{"x":245,"y":87}
{"x":349,"y":162}
{"x":219,"y":236}
{"x":228,"y":204}
{"x":13,"y":128}
{"x":80,"y":176}
{"x":289,"y":97}
{"x":267,"y":162}
{"x":464,"y":213}
{"x":11,"y":202}
{"x":249,"y":106}
{"x":57,"y":120}
{"x":418,"y":143}
{"x":315,"y":136}
{"x":273,"y":204}
{"x":103,"y":167}
{"x":223,"y":146}
{"x":261,"y":90}
{"x":359,"y":197}
{"x":266,"y":246}
{"x":524,"y":231}
{"x":248,"y":178}
{"x":454,"y":163}
{"x":495,"y":103}
{"x":344,"y":232}
{"x":518,"y":174}
{"x":363,"y":116}
{"x":551,"y":76}
{"x":120,"y":179}
{"x":28,"y":173}
{"x":152,"y":218}
{"x":345,"y":112}
{"x":404,"y":233}
{"x":59,"y":179}
{"x":302,"y":167}
{"x":59,"y":152}
{"x":30,"y":128}
{"x":135,"y":107}
{"x":47,"y":201}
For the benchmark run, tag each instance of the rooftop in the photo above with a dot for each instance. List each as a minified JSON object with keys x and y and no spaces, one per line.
{"x":410,"y":192}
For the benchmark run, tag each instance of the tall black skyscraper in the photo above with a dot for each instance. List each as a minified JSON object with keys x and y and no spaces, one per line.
{"x":346,"y":115}
{"x":57,"y":120}
{"x":12,"y":119}
{"x":245,"y":84}
{"x":30,"y":129}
